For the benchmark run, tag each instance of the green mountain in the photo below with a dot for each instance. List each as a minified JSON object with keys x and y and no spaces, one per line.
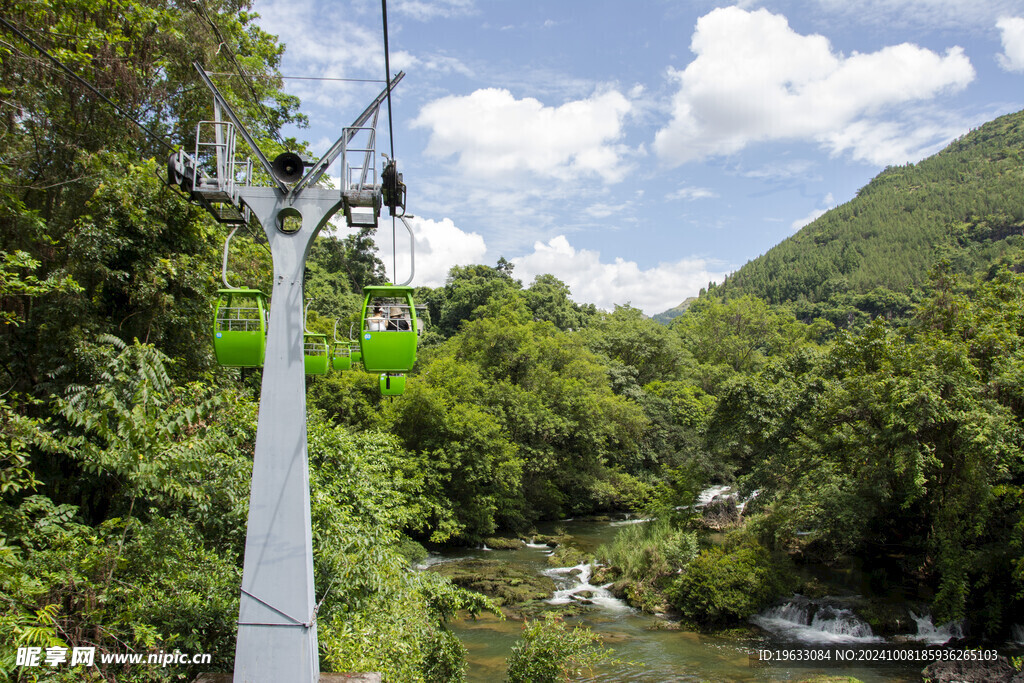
{"x":964,"y":204}
{"x":665,"y":317}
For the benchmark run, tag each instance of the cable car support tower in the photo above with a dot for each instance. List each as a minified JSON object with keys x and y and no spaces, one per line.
{"x":277,"y":638}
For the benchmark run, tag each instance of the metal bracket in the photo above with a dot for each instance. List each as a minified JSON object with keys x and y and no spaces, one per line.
{"x":412,"y":252}
{"x":305,"y":624}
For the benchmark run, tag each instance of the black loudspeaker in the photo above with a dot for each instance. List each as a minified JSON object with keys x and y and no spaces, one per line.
{"x":288,"y":167}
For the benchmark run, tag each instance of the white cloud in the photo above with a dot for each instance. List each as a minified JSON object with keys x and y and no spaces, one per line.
{"x":829,"y":202}
{"x":603,"y":210}
{"x":692,"y":193}
{"x":497,"y":136}
{"x":807,"y":220}
{"x":799,"y":168}
{"x":930,"y":14}
{"x":439,"y":246}
{"x":1012,"y":33}
{"x":324,"y":40}
{"x":754,"y":79}
{"x":606,"y":284}
{"x":425,"y":10}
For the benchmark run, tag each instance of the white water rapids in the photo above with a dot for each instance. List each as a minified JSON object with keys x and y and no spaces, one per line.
{"x":574,"y":584}
{"x":809,"y":621}
{"x":806,"y":622}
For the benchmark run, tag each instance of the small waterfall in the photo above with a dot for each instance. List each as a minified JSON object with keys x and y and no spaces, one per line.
{"x":927,"y":631}
{"x":1017,"y":634}
{"x":841,"y":623}
{"x":807,"y":621}
{"x":793,"y":612}
{"x":573,"y":581}
{"x":706,"y":496}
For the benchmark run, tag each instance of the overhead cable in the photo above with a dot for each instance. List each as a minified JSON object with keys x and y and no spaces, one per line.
{"x":242,"y":73}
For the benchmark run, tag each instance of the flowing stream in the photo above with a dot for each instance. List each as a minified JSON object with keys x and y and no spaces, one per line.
{"x":660,"y":652}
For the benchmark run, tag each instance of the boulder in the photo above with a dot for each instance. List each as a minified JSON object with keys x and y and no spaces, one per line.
{"x":996,"y":671}
{"x":721,"y":513}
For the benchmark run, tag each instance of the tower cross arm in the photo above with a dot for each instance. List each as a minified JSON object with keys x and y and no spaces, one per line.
{"x":320,"y":167}
{"x":241,"y":129}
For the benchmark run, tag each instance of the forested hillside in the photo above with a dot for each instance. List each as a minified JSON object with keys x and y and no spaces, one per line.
{"x":866,"y":256}
{"x":876,"y":424}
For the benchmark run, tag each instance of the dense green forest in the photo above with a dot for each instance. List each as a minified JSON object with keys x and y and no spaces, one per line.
{"x":868,"y":257}
{"x":866,"y":377}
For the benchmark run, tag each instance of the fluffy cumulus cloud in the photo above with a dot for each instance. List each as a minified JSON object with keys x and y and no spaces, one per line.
{"x":1012,"y":32}
{"x":439,"y":246}
{"x":755,"y":79}
{"x":495,"y":136}
{"x":606,"y":284}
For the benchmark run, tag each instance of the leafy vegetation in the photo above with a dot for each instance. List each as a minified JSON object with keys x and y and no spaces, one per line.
{"x":550,"y":651}
{"x":725,"y":584}
{"x":873,"y":395}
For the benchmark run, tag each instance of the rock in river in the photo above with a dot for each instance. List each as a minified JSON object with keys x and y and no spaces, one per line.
{"x":507,"y":584}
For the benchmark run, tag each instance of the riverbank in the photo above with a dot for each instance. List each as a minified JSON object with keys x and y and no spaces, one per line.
{"x":667,"y":649}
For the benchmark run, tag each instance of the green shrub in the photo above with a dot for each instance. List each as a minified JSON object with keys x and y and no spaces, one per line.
{"x":645,"y":556}
{"x":550,"y":651}
{"x":726,"y":584}
{"x":648,"y":550}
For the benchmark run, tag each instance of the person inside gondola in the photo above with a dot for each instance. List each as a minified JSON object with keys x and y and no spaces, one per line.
{"x":376,"y":322}
{"x":398,"y":319}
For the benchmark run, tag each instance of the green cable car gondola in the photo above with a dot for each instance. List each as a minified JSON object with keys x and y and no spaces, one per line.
{"x":316,"y":357}
{"x":314,"y":351}
{"x":239,"y":322}
{"x":341,"y":356}
{"x":392,"y":384}
{"x":387,"y":329}
{"x":341,"y":351}
{"x":240,"y":327}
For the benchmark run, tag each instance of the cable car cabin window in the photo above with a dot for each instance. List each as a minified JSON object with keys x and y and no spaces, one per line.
{"x":388,"y":327}
{"x":389,"y":316}
{"x":315,"y":356}
{"x":240,"y":328}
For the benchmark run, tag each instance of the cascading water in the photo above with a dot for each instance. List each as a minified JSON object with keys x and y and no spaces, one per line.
{"x":807,"y":621}
{"x":1017,"y":634}
{"x":573,"y":582}
{"x":707,"y":495}
{"x":927,"y":632}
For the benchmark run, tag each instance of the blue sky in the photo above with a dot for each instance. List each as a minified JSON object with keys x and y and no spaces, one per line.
{"x":638,"y":150}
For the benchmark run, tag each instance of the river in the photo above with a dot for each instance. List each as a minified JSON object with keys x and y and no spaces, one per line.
{"x":660,"y":653}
